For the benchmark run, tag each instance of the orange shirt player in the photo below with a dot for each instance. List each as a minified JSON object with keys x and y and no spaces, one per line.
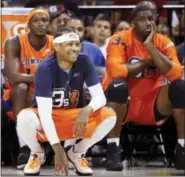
{"x":147,"y":60}
{"x":23,"y":53}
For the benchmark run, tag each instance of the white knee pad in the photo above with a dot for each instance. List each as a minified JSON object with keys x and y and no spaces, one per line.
{"x":27,"y":118}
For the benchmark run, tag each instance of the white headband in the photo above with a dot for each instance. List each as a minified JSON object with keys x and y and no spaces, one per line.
{"x":66,"y":38}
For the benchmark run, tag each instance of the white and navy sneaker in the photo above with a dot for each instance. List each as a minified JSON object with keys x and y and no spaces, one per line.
{"x":79,"y":162}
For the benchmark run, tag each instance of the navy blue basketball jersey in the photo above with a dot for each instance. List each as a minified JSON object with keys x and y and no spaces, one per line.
{"x":65,"y":88}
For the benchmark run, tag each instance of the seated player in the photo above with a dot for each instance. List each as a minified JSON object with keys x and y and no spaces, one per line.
{"x":57,"y":113}
{"x":23,"y":53}
{"x":149,"y":63}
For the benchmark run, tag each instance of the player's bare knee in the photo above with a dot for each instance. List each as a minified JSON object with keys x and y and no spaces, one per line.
{"x":176,"y":94}
{"x":117,"y":92}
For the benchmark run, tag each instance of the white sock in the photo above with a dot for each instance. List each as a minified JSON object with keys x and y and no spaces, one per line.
{"x":70,"y":142}
{"x":113,"y":140}
{"x":181,"y":142}
{"x":100,"y":132}
{"x":27,"y":126}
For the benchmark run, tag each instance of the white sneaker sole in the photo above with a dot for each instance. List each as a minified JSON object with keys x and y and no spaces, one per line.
{"x":32,"y":174}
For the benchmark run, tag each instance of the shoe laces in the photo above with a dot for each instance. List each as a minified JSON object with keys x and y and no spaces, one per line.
{"x":34,"y":162}
{"x":83,"y":162}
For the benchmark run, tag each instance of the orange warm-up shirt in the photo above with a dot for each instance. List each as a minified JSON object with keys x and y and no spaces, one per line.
{"x":28,"y":61}
{"x":123,"y":48}
{"x":29,"y":57}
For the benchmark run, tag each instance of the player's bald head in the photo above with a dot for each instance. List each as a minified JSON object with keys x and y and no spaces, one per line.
{"x":144,"y":6}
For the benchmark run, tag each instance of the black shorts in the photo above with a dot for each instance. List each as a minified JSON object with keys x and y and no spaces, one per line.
{"x":117,"y":92}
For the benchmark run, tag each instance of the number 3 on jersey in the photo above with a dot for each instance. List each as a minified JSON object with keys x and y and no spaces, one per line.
{"x":59,"y":98}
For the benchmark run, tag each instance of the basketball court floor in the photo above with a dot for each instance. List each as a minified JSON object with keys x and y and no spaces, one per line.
{"x":135,"y":171}
{"x":145,"y":170}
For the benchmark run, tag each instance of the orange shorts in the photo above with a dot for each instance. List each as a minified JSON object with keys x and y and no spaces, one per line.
{"x":64,"y":120}
{"x":142,"y":111}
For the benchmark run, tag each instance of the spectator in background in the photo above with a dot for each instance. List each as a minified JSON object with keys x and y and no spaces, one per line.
{"x":178,"y":26}
{"x":88,"y":23}
{"x":58,"y":20}
{"x":163,"y":29}
{"x":123,"y":25}
{"x":101,"y":32}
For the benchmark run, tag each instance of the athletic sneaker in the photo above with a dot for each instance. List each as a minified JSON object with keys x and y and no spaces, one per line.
{"x":79,"y":162}
{"x":179,"y":157}
{"x":113,"y":162}
{"x":35,"y":161}
{"x":23,"y":157}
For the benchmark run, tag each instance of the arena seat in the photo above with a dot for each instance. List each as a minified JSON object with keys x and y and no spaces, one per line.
{"x":149,"y":142}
